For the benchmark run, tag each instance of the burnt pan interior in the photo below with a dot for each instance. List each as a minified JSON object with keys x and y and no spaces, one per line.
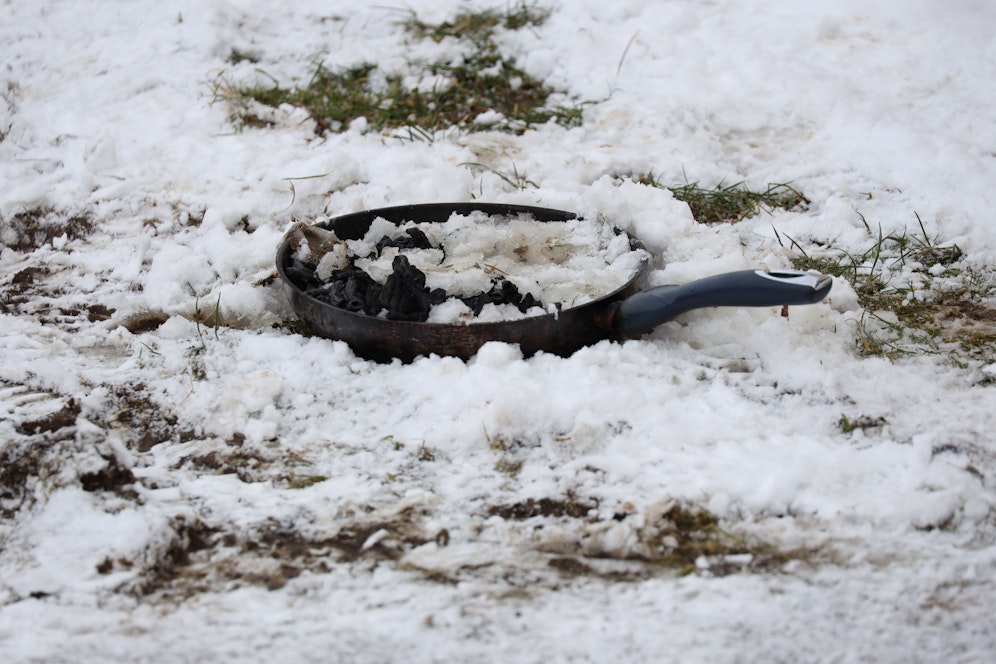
{"x":383,"y":340}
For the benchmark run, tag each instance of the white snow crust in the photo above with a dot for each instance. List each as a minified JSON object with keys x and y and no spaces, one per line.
{"x":292,"y":502}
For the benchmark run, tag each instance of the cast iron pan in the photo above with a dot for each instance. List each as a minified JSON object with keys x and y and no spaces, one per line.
{"x":623,"y":312}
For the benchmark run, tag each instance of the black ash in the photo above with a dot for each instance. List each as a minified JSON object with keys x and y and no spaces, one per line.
{"x":404,"y":295}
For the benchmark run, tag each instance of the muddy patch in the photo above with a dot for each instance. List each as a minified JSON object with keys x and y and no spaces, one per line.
{"x":112,"y":476}
{"x":632,"y":545}
{"x":970,"y":324}
{"x":32,"y":229}
{"x":141,"y":421}
{"x":547,"y":542}
{"x":22,"y":286}
{"x":40,"y":291}
{"x":204,"y":558}
{"x":35,"y":424}
{"x":529,"y":508}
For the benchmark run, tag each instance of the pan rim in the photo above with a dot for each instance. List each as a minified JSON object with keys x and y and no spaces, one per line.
{"x":492,"y":208}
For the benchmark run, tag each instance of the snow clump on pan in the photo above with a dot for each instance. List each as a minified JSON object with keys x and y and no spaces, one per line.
{"x":559,"y":264}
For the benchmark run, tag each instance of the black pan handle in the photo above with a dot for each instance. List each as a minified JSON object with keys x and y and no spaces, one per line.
{"x":748,"y":288}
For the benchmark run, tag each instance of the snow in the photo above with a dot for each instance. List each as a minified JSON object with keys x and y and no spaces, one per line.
{"x":560,"y":263}
{"x":293,"y":502}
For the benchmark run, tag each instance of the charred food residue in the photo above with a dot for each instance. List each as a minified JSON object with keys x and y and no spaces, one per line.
{"x":472,"y":268}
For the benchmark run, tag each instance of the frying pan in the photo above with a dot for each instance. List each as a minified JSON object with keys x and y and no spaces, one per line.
{"x":624,"y":312}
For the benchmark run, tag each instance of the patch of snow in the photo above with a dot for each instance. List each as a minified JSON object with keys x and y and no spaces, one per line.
{"x":289,"y":498}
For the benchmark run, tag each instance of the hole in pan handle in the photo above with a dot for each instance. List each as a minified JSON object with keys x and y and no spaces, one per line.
{"x":747,"y":288}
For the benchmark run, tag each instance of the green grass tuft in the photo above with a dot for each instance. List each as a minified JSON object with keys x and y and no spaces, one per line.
{"x":915,"y":297}
{"x":485,"y":80}
{"x":728,"y":203}
{"x":478,"y":26}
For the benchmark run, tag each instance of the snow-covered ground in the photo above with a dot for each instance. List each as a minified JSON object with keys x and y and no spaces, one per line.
{"x":185,"y":492}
